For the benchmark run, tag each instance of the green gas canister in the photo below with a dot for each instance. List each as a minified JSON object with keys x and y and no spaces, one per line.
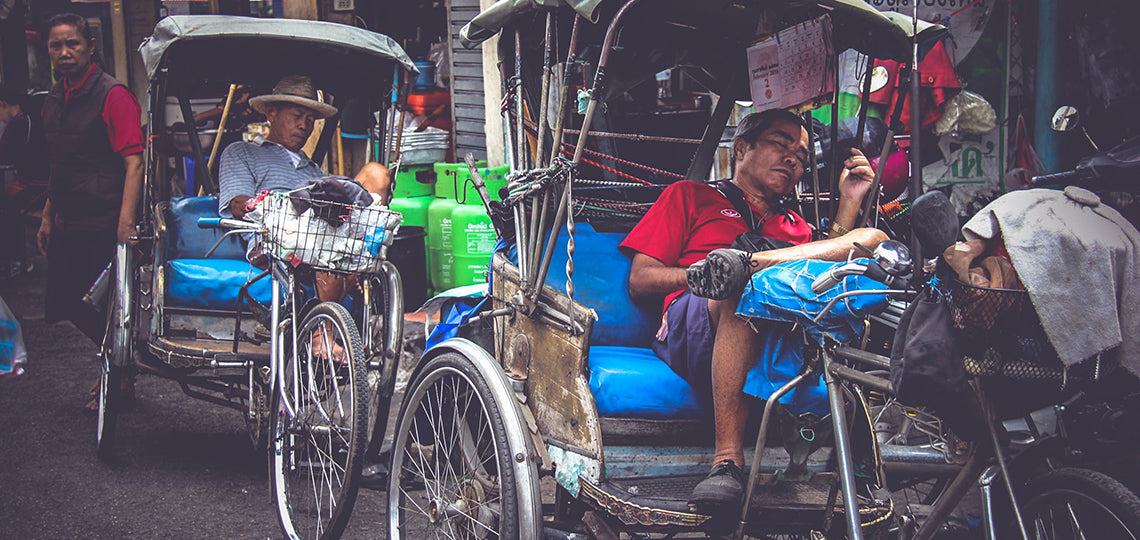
{"x":474,"y":236}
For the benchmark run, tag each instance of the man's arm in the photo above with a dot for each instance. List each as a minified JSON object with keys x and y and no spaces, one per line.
{"x":828,"y":249}
{"x":649,"y":276}
{"x":854,"y":183}
{"x":235,"y":181}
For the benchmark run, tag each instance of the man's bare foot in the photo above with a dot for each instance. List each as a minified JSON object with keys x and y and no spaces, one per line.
{"x":324,"y":340}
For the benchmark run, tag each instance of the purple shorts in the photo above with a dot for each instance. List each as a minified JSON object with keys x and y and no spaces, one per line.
{"x":687,"y":348}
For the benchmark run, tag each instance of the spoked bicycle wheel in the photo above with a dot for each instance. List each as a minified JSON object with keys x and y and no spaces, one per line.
{"x":452,"y":474}
{"x":1076,"y":504}
{"x":318,"y":426}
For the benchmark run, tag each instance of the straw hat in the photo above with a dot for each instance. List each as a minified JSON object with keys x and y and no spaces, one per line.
{"x":295,"y":89}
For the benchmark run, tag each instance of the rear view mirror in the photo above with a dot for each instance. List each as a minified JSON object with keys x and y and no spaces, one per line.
{"x":1066,"y":118}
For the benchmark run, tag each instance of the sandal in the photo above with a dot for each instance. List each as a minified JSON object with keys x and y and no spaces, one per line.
{"x":126,"y":394}
{"x":722,"y":274}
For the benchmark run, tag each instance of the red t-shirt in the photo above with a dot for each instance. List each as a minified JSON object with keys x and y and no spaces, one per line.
{"x":690,"y":219}
{"x":121,"y":113}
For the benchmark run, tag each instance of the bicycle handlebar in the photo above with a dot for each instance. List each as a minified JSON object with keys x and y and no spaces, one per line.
{"x":871,"y":270}
{"x":224,"y":223}
{"x":1062,"y":178}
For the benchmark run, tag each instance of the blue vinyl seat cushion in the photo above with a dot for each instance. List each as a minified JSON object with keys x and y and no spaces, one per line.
{"x":213,"y":283}
{"x":186,"y":241}
{"x":631,"y":382}
{"x":194,"y":281}
{"x":601,"y":282}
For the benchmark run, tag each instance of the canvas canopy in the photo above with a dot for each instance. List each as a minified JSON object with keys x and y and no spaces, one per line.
{"x":863,"y":28}
{"x":193,"y":30}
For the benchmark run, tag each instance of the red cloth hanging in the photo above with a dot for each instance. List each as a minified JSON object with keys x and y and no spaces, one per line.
{"x":939,"y":84}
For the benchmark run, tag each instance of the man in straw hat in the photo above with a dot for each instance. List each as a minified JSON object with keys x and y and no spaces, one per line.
{"x":277,"y":163}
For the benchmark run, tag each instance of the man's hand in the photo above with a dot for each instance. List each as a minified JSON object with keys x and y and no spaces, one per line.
{"x":125,"y":232}
{"x":856,"y":178}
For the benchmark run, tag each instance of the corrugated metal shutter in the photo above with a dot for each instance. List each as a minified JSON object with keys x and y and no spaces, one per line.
{"x":467,"y":106}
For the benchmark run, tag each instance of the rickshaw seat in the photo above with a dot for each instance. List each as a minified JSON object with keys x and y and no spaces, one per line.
{"x":631,"y":382}
{"x":194,"y":281}
{"x":627,"y":379}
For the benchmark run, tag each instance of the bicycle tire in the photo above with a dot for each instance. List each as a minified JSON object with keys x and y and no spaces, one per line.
{"x":324,"y":432}
{"x":109,"y":398}
{"x":451,"y":472}
{"x":1095,"y":505}
{"x":116,"y":339}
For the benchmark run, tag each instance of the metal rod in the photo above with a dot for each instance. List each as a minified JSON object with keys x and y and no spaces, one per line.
{"x":949,"y":499}
{"x":555,"y":229}
{"x":814,"y":171}
{"x":833,"y":166}
{"x":636,"y":137}
{"x":520,"y":109}
{"x":865,"y":101}
{"x":858,"y":377}
{"x":986,"y":482}
{"x":872,"y":360}
{"x":761,"y":440}
{"x":563,"y":99}
{"x":991,"y":427}
{"x":843,"y":452}
{"x":599,"y":79}
{"x":547,"y":63}
{"x":542,"y":227}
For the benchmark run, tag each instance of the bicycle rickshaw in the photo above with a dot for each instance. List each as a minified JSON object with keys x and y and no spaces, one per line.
{"x":187,"y":305}
{"x":551,"y":375}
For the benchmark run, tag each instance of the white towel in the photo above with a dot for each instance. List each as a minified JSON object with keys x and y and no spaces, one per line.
{"x":1080,"y":262}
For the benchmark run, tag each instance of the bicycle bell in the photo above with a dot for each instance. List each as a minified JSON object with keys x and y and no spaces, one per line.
{"x":894,"y":257}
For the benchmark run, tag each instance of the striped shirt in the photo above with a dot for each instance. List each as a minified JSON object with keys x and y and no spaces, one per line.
{"x":248,"y":168}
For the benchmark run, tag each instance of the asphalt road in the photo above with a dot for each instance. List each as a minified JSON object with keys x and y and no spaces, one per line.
{"x":184,"y":470}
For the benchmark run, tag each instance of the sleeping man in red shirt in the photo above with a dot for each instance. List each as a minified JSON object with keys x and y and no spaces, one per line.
{"x":703,"y":340}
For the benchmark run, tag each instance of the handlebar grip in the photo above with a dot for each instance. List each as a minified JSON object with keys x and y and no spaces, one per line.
{"x":825,"y":282}
{"x":1062,"y":178}
{"x":210,"y":223}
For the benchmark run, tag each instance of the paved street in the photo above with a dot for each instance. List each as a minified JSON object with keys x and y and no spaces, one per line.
{"x":185,"y":468}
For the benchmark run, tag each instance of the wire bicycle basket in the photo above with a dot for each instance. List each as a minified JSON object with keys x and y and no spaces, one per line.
{"x":326,"y":235}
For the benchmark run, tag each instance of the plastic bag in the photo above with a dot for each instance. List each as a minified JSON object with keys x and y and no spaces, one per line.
{"x":966,"y":112}
{"x":13,"y":355}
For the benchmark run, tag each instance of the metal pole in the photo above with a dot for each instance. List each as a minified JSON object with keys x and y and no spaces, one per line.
{"x":520,"y":109}
{"x":833,"y":166}
{"x":599,"y":79}
{"x":547,"y":64}
{"x":761,"y":441}
{"x":563,"y":99}
{"x":843,"y":452}
{"x":814,"y":170}
{"x":1046,"y":84}
{"x":915,"y":129}
{"x":865,"y":102}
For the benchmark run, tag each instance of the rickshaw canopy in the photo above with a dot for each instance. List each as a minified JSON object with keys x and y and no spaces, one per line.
{"x":865,"y":29}
{"x":252,"y":49}
{"x":709,"y":38}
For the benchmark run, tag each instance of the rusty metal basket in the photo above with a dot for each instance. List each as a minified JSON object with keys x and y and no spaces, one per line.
{"x":1001,"y":334}
{"x":334,"y":237}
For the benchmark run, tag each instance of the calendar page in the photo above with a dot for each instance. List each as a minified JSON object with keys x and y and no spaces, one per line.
{"x":793,"y":66}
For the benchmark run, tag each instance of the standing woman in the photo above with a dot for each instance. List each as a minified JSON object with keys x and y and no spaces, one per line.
{"x":94,"y":146}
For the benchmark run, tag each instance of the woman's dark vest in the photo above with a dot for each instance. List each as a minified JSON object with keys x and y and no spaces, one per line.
{"x":86,"y":175}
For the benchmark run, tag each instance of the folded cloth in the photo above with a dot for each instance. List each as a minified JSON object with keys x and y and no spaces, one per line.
{"x":1079,"y":260}
{"x":328,"y":197}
